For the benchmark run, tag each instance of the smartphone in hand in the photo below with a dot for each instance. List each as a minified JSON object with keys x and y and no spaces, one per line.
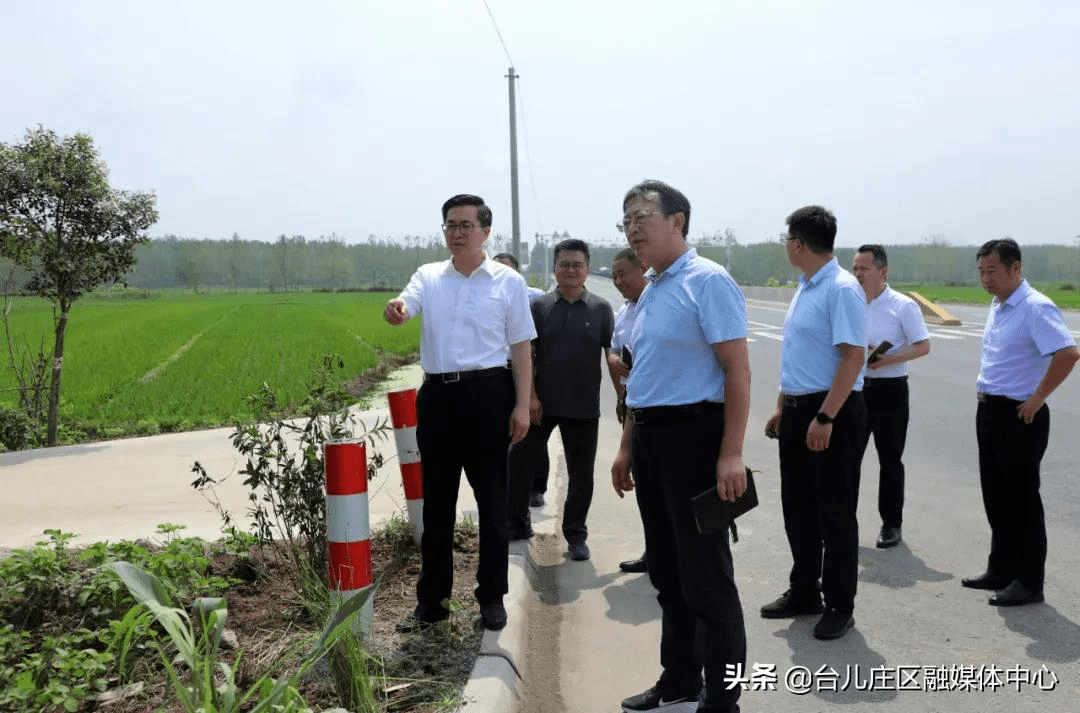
{"x":879,"y":351}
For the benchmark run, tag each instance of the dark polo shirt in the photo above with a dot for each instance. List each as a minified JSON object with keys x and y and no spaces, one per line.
{"x":570,"y":340}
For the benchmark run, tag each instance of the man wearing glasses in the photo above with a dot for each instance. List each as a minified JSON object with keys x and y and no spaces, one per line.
{"x":573,"y":328}
{"x":820,"y":420}
{"x":688,"y":400}
{"x":469,"y":409}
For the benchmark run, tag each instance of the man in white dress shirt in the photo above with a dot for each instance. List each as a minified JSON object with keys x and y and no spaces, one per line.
{"x":894,"y":318}
{"x":470,"y":409}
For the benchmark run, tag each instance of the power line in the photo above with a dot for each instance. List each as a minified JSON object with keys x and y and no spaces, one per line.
{"x":496,"y":25}
{"x":524,"y":132}
{"x":528,"y":161}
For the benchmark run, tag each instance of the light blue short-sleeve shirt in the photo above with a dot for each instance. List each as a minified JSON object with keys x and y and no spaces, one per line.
{"x":827,"y":310}
{"x":1022,"y":333}
{"x":681,"y":314}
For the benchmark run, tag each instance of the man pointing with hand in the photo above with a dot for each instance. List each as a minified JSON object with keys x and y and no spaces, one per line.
{"x":470,"y":409}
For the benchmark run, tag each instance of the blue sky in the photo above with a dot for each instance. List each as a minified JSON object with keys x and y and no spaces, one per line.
{"x":908,"y":119}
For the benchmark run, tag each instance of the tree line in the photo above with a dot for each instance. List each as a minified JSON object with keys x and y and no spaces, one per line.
{"x":329,"y":263}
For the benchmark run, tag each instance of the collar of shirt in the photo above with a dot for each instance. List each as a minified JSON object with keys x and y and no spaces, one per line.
{"x":680,"y":262}
{"x":485,"y":266}
{"x":884,"y":293}
{"x":828,"y":270}
{"x":583,"y":297}
{"x":1018,"y":295}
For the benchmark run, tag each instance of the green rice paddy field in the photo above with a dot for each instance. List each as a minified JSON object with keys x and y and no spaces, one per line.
{"x":176,"y":360}
{"x":974,"y":294}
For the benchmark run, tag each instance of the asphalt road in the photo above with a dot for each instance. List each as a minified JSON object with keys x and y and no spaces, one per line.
{"x":597,"y":630}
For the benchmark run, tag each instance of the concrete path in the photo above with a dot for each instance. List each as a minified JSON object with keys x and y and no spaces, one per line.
{"x":124,"y":489}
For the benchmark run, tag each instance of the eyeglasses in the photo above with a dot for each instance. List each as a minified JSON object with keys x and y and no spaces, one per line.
{"x":563,"y":265}
{"x":638,"y":216}
{"x":463,"y":227}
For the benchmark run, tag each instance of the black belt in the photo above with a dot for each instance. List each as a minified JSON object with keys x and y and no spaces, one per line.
{"x":451,"y":377}
{"x":884,"y":380}
{"x":997,"y":400}
{"x":813,"y":399}
{"x":651,"y":415}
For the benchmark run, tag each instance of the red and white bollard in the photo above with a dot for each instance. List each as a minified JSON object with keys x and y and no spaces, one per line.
{"x":348,"y":530}
{"x":403,"y":416}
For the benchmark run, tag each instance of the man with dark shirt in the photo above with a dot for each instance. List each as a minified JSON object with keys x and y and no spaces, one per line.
{"x":573,"y":328}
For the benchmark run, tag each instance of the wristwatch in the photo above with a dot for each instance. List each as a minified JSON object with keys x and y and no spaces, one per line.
{"x":822,"y":418}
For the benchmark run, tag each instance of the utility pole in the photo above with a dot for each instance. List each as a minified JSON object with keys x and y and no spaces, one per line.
{"x":516,"y":221}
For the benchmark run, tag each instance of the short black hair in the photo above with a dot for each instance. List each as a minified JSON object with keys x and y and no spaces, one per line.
{"x":815,"y":226}
{"x":627,"y":254}
{"x":571,"y":244}
{"x":483,"y":213}
{"x":881,"y":259}
{"x":671,"y":200}
{"x":508,"y":256}
{"x":1005,"y":248}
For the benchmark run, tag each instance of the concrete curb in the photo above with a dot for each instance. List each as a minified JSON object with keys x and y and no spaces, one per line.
{"x":494,"y":685}
{"x":496,"y":682}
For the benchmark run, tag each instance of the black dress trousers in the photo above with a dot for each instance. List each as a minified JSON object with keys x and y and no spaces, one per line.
{"x":463,"y":424}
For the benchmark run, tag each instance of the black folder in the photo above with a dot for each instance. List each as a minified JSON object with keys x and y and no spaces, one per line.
{"x":712,"y":513}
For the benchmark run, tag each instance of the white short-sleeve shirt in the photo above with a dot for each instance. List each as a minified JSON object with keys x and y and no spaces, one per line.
{"x":470,"y":321}
{"x":896,"y":318}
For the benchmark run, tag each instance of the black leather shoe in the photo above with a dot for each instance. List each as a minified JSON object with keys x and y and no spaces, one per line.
{"x":789,"y":605}
{"x":520,"y":533}
{"x":635,"y":566}
{"x":833,"y":624}
{"x":888,"y":537}
{"x":579,"y":551}
{"x":986,"y":580}
{"x":1015,"y":595}
{"x":493,"y":615}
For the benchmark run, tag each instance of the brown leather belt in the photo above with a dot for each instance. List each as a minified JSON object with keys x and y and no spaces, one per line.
{"x":997,"y":400}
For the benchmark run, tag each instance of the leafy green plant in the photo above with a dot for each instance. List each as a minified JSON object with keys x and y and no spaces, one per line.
{"x":60,"y":673}
{"x":122,"y":638}
{"x":284,"y":473}
{"x":211,"y":685}
{"x":38,"y":581}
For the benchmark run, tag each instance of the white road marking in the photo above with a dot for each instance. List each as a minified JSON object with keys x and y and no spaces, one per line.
{"x":940,"y":335}
{"x":770,"y":335}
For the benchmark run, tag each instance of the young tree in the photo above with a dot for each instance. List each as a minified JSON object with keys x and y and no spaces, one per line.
{"x":60,"y":219}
